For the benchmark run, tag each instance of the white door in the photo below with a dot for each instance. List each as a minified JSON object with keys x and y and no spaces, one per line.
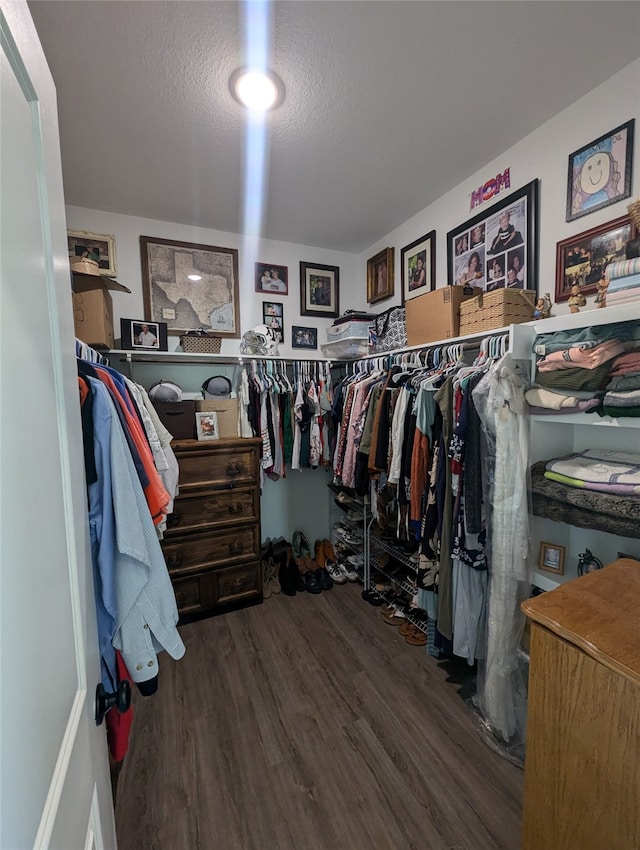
{"x":54,"y":767}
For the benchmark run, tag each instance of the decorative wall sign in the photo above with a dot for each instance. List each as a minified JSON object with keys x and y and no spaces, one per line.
{"x":490,"y":189}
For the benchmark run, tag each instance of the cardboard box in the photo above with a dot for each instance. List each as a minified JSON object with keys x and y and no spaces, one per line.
{"x":227,"y":410}
{"x":93,"y":308}
{"x":435,"y":315}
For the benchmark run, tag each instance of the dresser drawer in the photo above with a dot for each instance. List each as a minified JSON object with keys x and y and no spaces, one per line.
{"x":195,"y":551}
{"x":200,"y":510}
{"x":222,"y":467}
{"x":235,"y":583}
{"x":195,"y":594}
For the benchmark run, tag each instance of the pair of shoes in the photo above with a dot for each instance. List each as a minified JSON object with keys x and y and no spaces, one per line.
{"x":372,"y":596}
{"x":326,"y":560}
{"x":315,"y":579}
{"x":300,"y":545}
{"x":291,"y":581}
{"x":347,"y":570}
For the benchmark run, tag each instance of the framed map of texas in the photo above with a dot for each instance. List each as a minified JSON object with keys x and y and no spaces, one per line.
{"x":190,"y":286}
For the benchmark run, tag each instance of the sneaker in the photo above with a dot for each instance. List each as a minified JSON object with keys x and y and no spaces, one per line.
{"x":347,"y":571}
{"x":355,"y":516}
{"x":356,"y":560}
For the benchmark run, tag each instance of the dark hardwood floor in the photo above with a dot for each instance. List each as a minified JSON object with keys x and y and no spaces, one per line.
{"x":308,"y":723}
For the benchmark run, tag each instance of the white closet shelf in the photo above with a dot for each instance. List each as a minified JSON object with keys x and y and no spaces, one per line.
{"x":188,"y":357}
{"x":586,"y":419}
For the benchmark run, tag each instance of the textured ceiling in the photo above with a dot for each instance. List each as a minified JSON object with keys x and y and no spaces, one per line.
{"x":388,"y":104}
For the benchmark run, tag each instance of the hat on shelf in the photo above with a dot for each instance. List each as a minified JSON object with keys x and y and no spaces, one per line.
{"x":83,"y":265}
{"x":165,"y":391}
{"x":219,"y":386}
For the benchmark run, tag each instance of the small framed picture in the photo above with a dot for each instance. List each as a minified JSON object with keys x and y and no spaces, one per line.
{"x":273,"y":317}
{"x":600,"y":172}
{"x":380,"y":276}
{"x":551,"y":558}
{"x":100,"y":247}
{"x":207,"y":425}
{"x":319,"y":290}
{"x":304,"y":337}
{"x":270,"y":278}
{"x":137,"y":334}
{"x":418,"y":267}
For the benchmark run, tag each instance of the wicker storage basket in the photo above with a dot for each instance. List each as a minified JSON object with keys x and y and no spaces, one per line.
{"x":200,"y":343}
{"x":496,"y":310}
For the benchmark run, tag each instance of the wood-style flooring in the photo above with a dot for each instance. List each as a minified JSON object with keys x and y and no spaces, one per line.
{"x":308,"y":723}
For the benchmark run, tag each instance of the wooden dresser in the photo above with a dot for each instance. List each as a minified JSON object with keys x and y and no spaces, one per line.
{"x":582,"y":768}
{"x":212,"y":542}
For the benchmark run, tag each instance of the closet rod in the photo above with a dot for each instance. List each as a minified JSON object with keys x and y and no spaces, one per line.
{"x":226,"y":359}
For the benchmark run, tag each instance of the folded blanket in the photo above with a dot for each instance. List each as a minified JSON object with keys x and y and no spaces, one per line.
{"x":546,"y":343}
{"x":582,"y":406}
{"x":617,"y":412}
{"x":632,"y":281}
{"x":590,"y":485}
{"x":623,"y":268}
{"x":626,"y":363}
{"x":545,"y":398}
{"x":575,"y":379}
{"x":622,"y":383}
{"x":584,"y":358}
{"x":599,"y":466}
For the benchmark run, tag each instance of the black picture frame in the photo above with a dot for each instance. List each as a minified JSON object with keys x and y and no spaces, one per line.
{"x":422,"y":249}
{"x":304,"y":337}
{"x":319,"y":290}
{"x":610,"y":159}
{"x":131,"y":329}
{"x":499,"y":248}
{"x":273,"y":317}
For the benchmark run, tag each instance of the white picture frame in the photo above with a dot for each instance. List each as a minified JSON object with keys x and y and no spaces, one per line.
{"x":207,"y":425}
{"x":98,"y":246}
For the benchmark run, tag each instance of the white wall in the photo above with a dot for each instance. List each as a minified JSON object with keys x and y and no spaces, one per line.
{"x":543,"y":154}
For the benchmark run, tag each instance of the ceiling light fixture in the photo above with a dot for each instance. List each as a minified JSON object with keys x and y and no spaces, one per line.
{"x":256,"y":89}
{"x":194,"y":277}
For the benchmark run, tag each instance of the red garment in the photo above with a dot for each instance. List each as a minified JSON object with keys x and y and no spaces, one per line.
{"x":119,"y":725}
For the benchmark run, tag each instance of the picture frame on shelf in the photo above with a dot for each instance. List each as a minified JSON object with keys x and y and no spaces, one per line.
{"x":140,"y":335}
{"x":273,"y":317}
{"x":319,"y":290}
{"x":498,"y":247}
{"x":304,"y":337}
{"x":551,"y":559}
{"x":207,"y":425}
{"x":418,"y":266}
{"x":582,"y":259}
{"x":188,"y":286}
{"x":100,"y":247}
{"x":600,"y":172}
{"x":272,"y":279}
{"x":380,"y":276}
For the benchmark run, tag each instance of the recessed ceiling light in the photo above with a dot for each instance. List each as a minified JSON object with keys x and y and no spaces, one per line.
{"x":256,"y":89}
{"x":194,"y":276}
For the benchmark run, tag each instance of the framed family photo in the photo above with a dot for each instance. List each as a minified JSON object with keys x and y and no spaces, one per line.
{"x":498,"y":248}
{"x":207,"y":425}
{"x":600,"y":172}
{"x":140,"y":335}
{"x":100,"y":247}
{"x":551,"y":559}
{"x":583,"y":258}
{"x":418,"y":266}
{"x":270,"y":278}
{"x":190,"y":286}
{"x":319,"y":290}
{"x":273,"y":317}
{"x":304,"y":337}
{"x":380,"y":271}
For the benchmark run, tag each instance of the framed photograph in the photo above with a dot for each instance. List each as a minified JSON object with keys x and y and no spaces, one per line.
{"x":100,"y":247}
{"x":140,"y":335}
{"x":498,"y":248}
{"x":273,"y":317}
{"x":600,"y":172}
{"x":190,"y":286}
{"x":270,"y":278}
{"x":380,"y":271}
{"x":319,"y":290}
{"x":418,"y":267}
{"x":551,"y":558}
{"x":583,"y":258}
{"x":304,"y":337}
{"x":207,"y":425}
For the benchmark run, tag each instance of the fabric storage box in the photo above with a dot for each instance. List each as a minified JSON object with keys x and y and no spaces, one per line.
{"x":350,"y":346}
{"x":178,"y":417}
{"x":200,"y":343}
{"x":497,"y":310}
{"x":435,"y":315}
{"x":353,"y":329}
{"x":227,"y":411}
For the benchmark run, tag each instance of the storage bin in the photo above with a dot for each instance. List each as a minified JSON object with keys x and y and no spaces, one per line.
{"x":352,"y":346}
{"x":353,"y":329}
{"x":178,"y":417}
{"x":496,"y":310}
{"x":200,"y":343}
{"x":435,"y":315}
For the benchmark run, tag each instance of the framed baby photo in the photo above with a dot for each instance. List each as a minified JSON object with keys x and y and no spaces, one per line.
{"x":319,"y":290}
{"x":418,"y":267}
{"x":498,"y":247}
{"x":140,"y":335}
{"x":273,"y":317}
{"x":304,"y":337}
{"x":600,"y":172}
{"x":551,"y":558}
{"x":271,"y":278}
{"x":207,"y":425}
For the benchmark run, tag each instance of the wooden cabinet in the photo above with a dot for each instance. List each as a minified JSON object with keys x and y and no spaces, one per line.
{"x":212,"y":542}
{"x":582,"y":769}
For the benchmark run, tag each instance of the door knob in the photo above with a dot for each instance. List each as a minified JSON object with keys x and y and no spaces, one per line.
{"x":120,"y":699}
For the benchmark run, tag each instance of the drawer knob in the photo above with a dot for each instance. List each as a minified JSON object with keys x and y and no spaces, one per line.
{"x":236,"y":547}
{"x":238,"y":583}
{"x":235,"y":508}
{"x":180,"y":599}
{"x":173,"y":519}
{"x":175,"y":559}
{"x":233,"y":469}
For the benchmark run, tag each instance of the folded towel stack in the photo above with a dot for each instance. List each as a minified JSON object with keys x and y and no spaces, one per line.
{"x":624,"y":281}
